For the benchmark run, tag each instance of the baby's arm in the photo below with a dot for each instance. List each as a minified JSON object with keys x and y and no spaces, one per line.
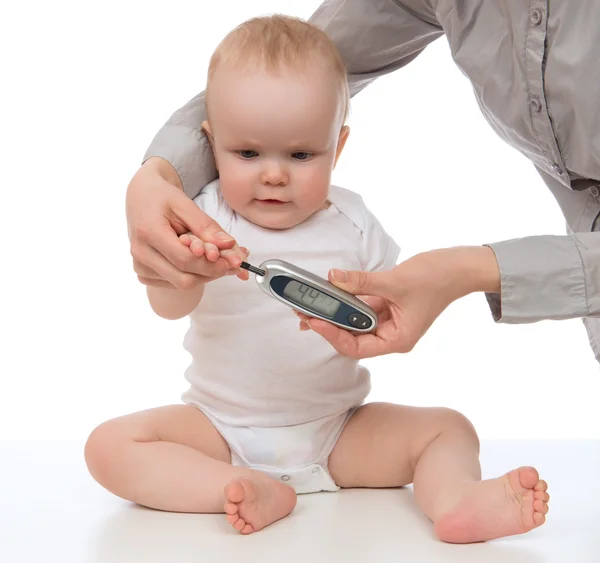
{"x":172,"y":303}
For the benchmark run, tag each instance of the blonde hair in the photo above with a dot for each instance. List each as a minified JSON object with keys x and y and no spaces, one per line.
{"x":276,"y":42}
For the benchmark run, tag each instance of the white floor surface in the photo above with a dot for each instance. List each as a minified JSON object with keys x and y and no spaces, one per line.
{"x":51,"y":510}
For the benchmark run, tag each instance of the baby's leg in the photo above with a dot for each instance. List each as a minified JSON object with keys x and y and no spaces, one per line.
{"x":386,"y":445}
{"x":172,"y":458}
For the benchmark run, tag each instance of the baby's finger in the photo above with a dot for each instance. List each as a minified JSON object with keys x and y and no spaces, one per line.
{"x":232,"y":257}
{"x":211,"y":252}
{"x":197,"y":247}
{"x":195,"y":244}
{"x":235,"y":255}
{"x":243,"y":275}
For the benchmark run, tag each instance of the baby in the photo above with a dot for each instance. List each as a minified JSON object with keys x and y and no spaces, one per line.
{"x":273,"y":411}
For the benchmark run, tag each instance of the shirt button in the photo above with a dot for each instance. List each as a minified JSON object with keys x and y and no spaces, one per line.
{"x":536,"y":17}
{"x":557,"y":169}
{"x":285,"y":477}
{"x":595,"y":191}
{"x":536,"y":105}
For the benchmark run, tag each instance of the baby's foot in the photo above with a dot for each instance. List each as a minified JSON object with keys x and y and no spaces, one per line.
{"x":253,"y":503}
{"x":512,"y":504}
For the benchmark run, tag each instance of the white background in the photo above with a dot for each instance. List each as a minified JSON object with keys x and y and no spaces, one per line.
{"x":85,"y":88}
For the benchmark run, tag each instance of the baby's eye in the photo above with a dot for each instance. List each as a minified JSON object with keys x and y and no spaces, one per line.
{"x":248,"y":154}
{"x":300,"y":155}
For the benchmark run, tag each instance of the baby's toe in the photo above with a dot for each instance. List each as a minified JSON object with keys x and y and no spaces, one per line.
{"x":529,"y":477}
{"x":540,"y":506}
{"x":541,"y":485}
{"x":231,"y":508}
{"x":239,"y":525}
{"x":234,"y":492}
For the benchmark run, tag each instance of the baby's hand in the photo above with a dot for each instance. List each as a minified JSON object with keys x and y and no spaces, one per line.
{"x":199,"y":247}
{"x":210,"y":252}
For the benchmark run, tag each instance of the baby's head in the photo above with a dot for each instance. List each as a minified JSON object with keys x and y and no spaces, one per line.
{"x":277,"y":100}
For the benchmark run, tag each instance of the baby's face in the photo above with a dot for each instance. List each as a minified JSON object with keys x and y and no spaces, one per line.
{"x":276,"y":139}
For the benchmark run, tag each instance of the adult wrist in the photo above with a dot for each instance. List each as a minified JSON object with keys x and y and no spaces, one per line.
{"x":477,"y":270}
{"x":164,"y":169}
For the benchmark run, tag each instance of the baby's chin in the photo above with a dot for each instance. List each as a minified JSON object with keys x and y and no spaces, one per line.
{"x":279,"y":220}
{"x":276,"y":223}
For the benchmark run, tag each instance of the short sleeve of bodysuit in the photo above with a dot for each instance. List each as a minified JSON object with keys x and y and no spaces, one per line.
{"x":211,"y":201}
{"x":378,"y":250}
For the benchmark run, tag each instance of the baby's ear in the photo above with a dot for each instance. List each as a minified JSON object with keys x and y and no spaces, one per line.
{"x":341,"y":142}
{"x":208,"y":132}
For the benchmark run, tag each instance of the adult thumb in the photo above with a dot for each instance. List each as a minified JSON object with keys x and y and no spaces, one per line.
{"x":201,"y":224}
{"x":360,"y":283}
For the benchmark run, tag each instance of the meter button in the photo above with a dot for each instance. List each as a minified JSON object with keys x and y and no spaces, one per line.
{"x":359,"y":321}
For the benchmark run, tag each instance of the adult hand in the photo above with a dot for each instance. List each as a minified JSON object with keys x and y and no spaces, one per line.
{"x":158,"y":211}
{"x":408,"y":298}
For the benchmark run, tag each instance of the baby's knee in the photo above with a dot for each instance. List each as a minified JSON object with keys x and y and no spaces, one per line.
{"x":456,"y":422}
{"x":101,"y":451}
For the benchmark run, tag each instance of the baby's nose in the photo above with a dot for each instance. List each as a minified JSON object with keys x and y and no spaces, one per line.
{"x":275,"y":175}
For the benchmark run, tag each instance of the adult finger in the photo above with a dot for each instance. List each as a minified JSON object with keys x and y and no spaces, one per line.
{"x":147,"y":259}
{"x":378,"y":304}
{"x":357,"y":346}
{"x":165,"y":241}
{"x":180,"y":256}
{"x":364,"y":283}
{"x":155,"y":282}
{"x":199,"y":223}
{"x":144,"y":271}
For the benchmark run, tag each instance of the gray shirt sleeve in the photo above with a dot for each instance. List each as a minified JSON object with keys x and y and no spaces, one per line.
{"x":184,"y":145}
{"x":547,"y":277}
{"x":552,"y":277}
{"x":375,"y":37}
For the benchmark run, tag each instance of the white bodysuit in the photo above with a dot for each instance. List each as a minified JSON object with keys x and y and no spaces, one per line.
{"x":280,"y":397}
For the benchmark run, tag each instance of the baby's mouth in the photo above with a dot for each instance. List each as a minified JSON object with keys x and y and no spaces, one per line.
{"x":272,"y":201}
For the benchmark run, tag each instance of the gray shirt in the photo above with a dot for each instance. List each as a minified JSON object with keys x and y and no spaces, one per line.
{"x":535,"y":70}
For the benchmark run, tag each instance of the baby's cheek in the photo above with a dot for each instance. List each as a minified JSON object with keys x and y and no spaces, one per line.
{"x":316,"y":186}
{"x":237,"y":191}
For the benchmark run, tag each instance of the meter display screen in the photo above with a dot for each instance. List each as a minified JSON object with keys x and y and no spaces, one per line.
{"x":311,"y":298}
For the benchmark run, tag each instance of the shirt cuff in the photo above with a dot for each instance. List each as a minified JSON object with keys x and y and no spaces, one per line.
{"x":541,"y":277}
{"x":189,"y":152}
